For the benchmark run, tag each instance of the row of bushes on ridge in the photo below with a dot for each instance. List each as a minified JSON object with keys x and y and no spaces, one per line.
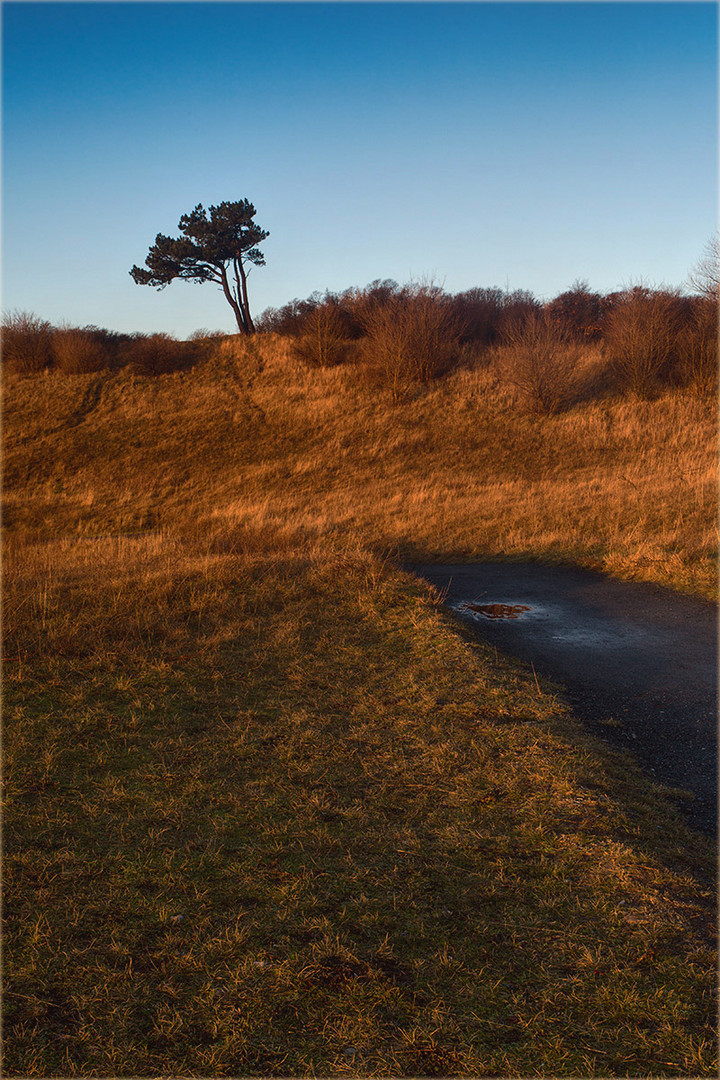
{"x":30,"y":344}
{"x":647,"y":338}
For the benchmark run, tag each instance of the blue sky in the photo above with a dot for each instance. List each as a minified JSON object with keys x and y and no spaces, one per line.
{"x":521,"y":144}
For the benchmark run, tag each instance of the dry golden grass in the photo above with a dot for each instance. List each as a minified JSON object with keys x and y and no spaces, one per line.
{"x":451,"y":471}
{"x":267,"y":811}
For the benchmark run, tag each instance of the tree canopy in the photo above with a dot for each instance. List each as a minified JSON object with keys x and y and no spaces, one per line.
{"x":216,"y":245}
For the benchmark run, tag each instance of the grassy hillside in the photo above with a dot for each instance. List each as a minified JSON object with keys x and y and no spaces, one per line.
{"x":267,"y":811}
{"x":455,"y":470}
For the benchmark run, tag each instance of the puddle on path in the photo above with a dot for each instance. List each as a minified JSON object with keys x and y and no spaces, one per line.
{"x":496,"y":611}
{"x":625,"y":652}
{"x":500,"y":609}
{"x":555,"y":622}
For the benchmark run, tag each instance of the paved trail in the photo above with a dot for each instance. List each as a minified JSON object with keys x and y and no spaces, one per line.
{"x":635,"y":654}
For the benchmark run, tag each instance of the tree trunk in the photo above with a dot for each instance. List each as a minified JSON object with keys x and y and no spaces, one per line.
{"x":239,"y":313}
{"x":245,"y":304}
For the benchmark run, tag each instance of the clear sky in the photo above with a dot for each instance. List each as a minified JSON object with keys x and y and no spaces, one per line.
{"x":521,"y":144}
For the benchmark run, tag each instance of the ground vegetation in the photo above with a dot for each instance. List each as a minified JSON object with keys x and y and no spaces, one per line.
{"x":642,"y":339}
{"x":268,"y":810}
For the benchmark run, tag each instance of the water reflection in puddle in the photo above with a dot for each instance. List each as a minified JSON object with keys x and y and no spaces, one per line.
{"x":553,"y":622}
{"x":496,"y":611}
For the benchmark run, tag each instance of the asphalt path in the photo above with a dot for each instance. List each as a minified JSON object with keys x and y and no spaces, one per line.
{"x":638,"y":663}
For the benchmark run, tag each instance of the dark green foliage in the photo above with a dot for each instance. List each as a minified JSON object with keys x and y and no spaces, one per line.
{"x":214,"y":245}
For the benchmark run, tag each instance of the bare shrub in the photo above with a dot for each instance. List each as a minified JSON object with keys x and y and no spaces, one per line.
{"x":205,"y":335}
{"x":415,"y":336}
{"x":641,"y":331}
{"x":705,"y":277}
{"x":353,"y":306}
{"x":579,"y":311}
{"x":323,"y":342}
{"x":698,"y":345}
{"x":25,"y":343}
{"x":357,"y":305}
{"x":481,"y":312}
{"x":518,"y":305}
{"x":76,"y":351}
{"x":290,"y":319}
{"x":540,"y":358}
{"x":157,"y":354}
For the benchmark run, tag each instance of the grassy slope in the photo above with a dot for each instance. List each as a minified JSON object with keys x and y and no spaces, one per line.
{"x":267,"y":812}
{"x":454,"y":472}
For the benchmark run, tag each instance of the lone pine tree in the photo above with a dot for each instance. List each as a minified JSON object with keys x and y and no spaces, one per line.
{"x":216,"y":245}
